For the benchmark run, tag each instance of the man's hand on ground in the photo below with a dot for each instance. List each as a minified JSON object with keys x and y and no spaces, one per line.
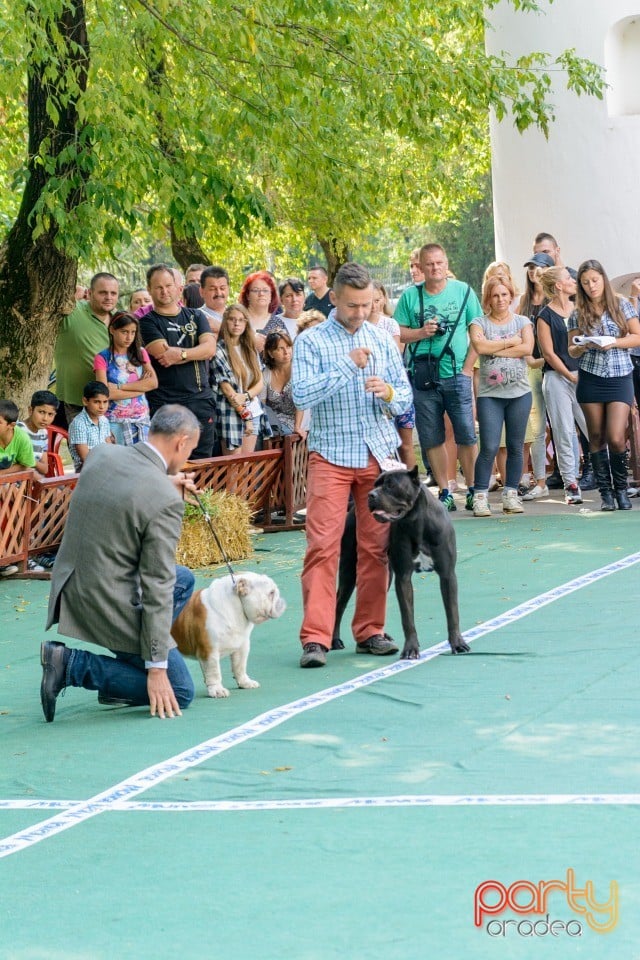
{"x":162,"y":699}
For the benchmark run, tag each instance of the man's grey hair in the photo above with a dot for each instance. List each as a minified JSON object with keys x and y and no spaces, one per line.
{"x":352,"y":275}
{"x":174,"y":420}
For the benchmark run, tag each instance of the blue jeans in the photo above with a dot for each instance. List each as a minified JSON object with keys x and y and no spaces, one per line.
{"x":492,"y":413}
{"x":124,"y":676}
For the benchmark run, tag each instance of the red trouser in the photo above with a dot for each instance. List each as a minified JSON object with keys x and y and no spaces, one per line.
{"x":328,"y":489}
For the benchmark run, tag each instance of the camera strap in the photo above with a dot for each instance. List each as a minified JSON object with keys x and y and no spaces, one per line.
{"x":445,"y":349}
{"x":410,"y":352}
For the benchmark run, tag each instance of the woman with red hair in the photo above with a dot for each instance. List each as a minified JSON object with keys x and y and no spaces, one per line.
{"x":260,"y":297}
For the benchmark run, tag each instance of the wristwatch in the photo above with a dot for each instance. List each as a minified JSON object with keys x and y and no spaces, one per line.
{"x":183,"y":354}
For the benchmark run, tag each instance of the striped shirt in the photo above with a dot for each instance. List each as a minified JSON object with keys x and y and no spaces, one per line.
{"x":615,"y":362}
{"x":347,"y":424}
{"x":39,"y":439}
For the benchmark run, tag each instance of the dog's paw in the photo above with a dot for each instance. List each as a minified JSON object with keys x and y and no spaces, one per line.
{"x":337,"y":644}
{"x":458,"y":645}
{"x":217,"y":690}
{"x":247,"y":683}
{"x":410,"y":652}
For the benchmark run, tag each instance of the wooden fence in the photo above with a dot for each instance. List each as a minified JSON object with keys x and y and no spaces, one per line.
{"x":33,"y":511}
{"x":273,"y":481}
{"x":32,"y":516}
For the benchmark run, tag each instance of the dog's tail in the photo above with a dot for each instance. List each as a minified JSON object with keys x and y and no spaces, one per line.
{"x":189,"y":629}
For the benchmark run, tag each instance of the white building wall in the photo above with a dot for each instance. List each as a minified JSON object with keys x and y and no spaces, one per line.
{"x":582,"y":185}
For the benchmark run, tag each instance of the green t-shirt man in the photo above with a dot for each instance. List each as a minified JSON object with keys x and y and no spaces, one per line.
{"x":80,"y":337}
{"x":443,"y":307}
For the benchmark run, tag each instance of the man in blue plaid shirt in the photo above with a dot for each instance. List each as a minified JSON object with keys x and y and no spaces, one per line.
{"x":350,"y":376}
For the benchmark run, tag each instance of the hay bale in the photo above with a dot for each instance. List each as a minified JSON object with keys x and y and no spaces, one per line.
{"x":231,"y":520}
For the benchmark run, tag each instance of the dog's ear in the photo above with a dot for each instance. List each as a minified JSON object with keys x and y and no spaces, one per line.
{"x":241,"y":587}
{"x":414,"y":473}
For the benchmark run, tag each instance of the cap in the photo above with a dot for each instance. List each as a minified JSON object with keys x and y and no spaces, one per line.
{"x":622,"y":284}
{"x":540,"y":260}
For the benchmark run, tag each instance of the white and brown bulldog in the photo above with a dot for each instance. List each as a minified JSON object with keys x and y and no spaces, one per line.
{"x":218,"y":621}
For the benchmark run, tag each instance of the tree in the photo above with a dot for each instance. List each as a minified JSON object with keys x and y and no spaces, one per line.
{"x":37,"y":274}
{"x":469,"y":240}
{"x":314,"y":124}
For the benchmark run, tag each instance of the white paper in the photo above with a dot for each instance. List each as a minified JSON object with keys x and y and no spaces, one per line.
{"x":599,"y":341}
{"x":390,"y":464}
{"x":255,"y":408}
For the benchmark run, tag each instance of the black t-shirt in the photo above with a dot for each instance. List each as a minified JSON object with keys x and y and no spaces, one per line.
{"x":184,"y":381}
{"x":534,"y":312}
{"x":559,"y":338}
{"x":323,"y":304}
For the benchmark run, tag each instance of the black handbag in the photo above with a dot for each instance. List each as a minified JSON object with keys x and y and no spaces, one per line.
{"x":426,"y":372}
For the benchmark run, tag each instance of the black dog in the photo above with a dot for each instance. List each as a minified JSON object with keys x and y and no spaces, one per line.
{"x":421,"y":538}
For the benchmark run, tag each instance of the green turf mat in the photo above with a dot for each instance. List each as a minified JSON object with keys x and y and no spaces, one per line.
{"x":313,"y":885}
{"x":544,"y":705}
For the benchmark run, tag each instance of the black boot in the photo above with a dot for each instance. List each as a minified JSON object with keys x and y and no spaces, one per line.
{"x":600,"y":461}
{"x":554,"y":480}
{"x":619,"y":474}
{"x":587,"y":480}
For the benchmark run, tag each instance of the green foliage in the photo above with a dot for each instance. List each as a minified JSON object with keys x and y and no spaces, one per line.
{"x":469,"y":239}
{"x":263,"y":126}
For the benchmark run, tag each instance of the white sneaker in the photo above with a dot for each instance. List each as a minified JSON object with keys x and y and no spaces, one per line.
{"x":510,"y":502}
{"x":481,"y":506}
{"x":572,"y":494}
{"x":536,"y":493}
{"x":9,"y":571}
{"x":34,"y":567}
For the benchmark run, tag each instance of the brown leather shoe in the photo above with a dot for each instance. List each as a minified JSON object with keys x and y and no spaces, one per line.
{"x":381,"y":645}
{"x":313,"y":655}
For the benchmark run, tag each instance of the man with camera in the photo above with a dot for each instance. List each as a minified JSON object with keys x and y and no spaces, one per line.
{"x":433,"y":318}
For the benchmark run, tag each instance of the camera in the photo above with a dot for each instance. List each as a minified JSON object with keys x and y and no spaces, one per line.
{"x":441,"y":327}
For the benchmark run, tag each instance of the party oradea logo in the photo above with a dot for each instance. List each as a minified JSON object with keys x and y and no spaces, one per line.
{"x":541,"y":908}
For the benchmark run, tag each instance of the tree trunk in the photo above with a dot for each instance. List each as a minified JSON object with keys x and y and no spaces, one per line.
{"x":187,"y":250}
{"x":336,"y":252}
{"x":37,"y":278}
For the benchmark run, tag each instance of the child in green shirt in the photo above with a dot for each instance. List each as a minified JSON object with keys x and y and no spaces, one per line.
{"x":16,"y":452}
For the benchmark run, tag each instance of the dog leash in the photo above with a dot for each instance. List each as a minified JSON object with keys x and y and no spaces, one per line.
{"x":215,"y":536}
{"x":393,"y":461}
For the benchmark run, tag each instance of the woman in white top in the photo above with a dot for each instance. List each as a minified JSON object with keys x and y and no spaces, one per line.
{"x":380,"y":317}
{"x":380,"y":314}
{"x":502,"y":339}
{"x":291,"y":293}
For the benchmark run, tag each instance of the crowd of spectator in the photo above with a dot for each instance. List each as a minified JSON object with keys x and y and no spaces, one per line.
{"x":501,"y":368}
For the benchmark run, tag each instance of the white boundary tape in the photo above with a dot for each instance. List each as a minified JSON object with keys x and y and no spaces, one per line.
{"x":313,"y":803}
{"x":124,"y":791}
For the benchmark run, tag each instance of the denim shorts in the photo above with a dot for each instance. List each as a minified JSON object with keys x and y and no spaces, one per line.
{"x":453,"y":395}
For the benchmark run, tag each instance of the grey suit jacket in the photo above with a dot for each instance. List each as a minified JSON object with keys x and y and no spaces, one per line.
{"x":113,"y":578}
